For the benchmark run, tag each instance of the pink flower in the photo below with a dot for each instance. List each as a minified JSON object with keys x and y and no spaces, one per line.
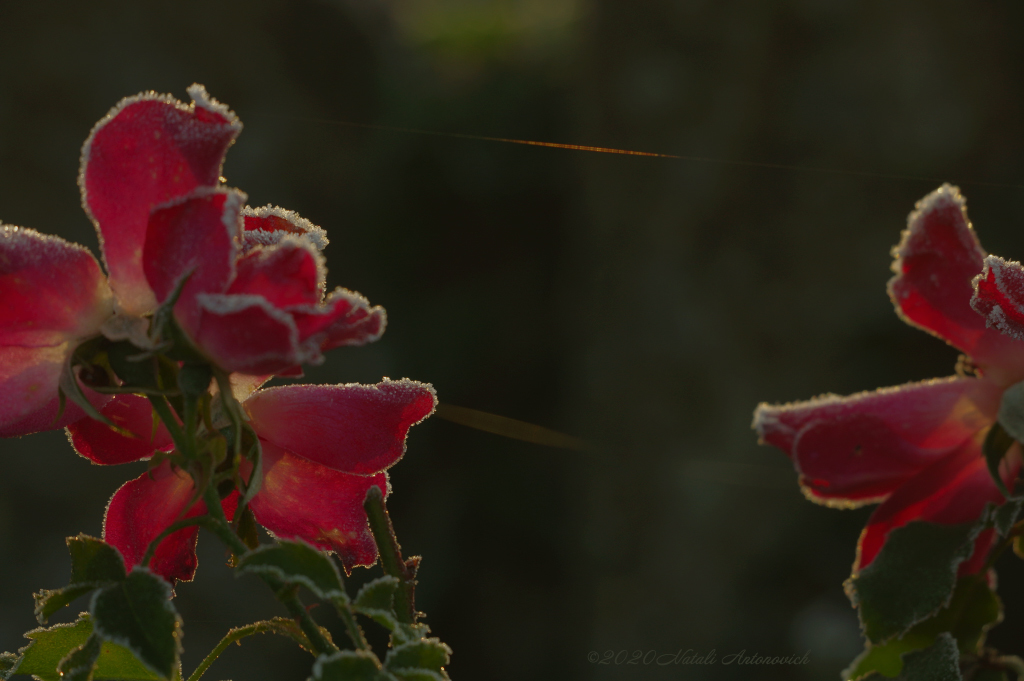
{"x":323,"y":447}
{"x":255,"y":300}
{"x":916,"y":448}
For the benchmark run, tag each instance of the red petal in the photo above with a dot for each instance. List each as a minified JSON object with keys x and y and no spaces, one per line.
{"x":345,"y":318}
{"x":999,"y":296}
{"x":290,"y":273}
{"x":98,"y":443}
{"x":352,"y":428}
{"x":28,"y":390}
{"x":148,"y":150}
{"x":193,"y":236}
{"x":303,"y":499}
{"x":145,"y":507}
{"x":245,"y":333}
{"x":855,"y":450}
{"x":268,"y":225}
{"x":936,"y":261}
{"x":952,"y":490}
{"x":51,"y":291}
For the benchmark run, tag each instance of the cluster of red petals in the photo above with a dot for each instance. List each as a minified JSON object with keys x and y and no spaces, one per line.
{"x":323,"y":447}
{"x":253,"y":299}
{"x":151,"y":183}
{"x":917,"y":448}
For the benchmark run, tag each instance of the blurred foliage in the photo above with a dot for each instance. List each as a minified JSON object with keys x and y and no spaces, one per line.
{"x":644,"y":304}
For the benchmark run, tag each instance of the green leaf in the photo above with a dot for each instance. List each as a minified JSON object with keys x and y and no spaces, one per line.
{"x":424,"y":654}
{"x":973,"y":610}
{"x":939,"y":662}
{"x":138,"y":614}
{"x":50,"y":646}
{"x":1011,"y":411}
{"x":94,"y":564}
{"x":347,"y":665}
{"x":8,"y":663}
{"x":79,"y":664}
{"x":889,"y":601}
{"x":996,"y":444}
{"x":49,"y":601}
{"x":298,"y":563}
{"x":376,"y":600}
{"x":94,"y":560}
{"x":1006,"y":515}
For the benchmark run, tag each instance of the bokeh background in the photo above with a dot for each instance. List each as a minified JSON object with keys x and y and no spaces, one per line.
{"x":644,"y":304}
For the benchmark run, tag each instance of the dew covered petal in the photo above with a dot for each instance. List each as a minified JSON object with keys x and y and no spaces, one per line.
{"x":100,"y":444}
{"x":936,"y":261}
{"x":143,"y":508}
{"x":147,"y":150}
{"x":51,"y":290}
{"x":195,"y":237}
{"x":302,"y":499}
{"x":344,"y":318}
{"x":287,"y":274}
{"x":954,"y":489}
{"x":352,"y":428}
{"x":999,"y":296}
{"x":854,"y":450}
{"x":246,"y":334}
{"x":29,"y":402}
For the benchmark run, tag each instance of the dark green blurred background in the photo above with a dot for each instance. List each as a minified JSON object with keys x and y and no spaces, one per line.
{"x":645,"y":304}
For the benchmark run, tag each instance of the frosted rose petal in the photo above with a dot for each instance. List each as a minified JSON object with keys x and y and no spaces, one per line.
{"x":38,"y":307}
{"x":302,"y":499}
{"x":936,"y":261}
{"x":148,"y":150}
{"x":954,"y":489}
{"x":100,"y":444}
{"x":143,"y":508}
{"x":352,"y":428}
{"x":856,"y":450}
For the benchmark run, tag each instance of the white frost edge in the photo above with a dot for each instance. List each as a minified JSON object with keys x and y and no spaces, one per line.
{"x":995,"y":316}
{"x":316,"y":235}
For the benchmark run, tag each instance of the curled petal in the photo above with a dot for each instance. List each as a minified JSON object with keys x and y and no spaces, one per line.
{"x":999,"y":296}
{"x":290,"y":273}
{"x":98,"y":443}
{"x":855,"y":450}
{"x":37,"y":306}
{"x":936,"y":261}
{"x":148,"y":150}
{"x":345,"y":318}
{"x":269,"y":224}
{"x":146,"y":506}
{"x":195,"y":237}
{"x":246,"y":334}
{"x":352,"y":428}
{"x":302,"y":499}
{"x":954,"y":489}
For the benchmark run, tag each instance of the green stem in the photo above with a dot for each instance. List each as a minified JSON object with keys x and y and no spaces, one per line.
{"x":348,"y":618}
{"x":163,"y":410}
{"x":391,"y":555}
{"x":1013,"y":663}
{"x":287,"y":594}
{"x":238,"y":633}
